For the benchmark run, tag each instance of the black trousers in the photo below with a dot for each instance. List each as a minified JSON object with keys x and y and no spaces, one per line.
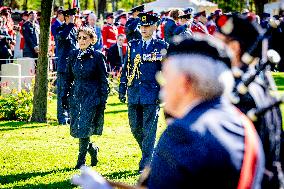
{"x":143,"y":119}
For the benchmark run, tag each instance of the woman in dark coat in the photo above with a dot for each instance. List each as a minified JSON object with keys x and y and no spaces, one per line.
{"x":87,"y":94}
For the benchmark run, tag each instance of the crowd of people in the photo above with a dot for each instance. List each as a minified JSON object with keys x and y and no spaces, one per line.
{"x":19,"y":30}
{"x":211,"y":72}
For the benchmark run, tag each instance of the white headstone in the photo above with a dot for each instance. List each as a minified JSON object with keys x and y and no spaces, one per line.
{"x":27,"y":71}
{"x":10,"y":78}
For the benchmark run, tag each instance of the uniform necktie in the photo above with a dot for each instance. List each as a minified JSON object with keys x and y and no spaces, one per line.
{"x":120,"y":54}
{"x":144,"y":46}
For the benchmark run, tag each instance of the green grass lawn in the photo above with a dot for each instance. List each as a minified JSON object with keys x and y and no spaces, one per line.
{"x":42,"y":155}
{"x":279,"y":80}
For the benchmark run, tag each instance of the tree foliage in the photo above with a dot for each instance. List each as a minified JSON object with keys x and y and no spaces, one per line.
{"x":102,"y":6}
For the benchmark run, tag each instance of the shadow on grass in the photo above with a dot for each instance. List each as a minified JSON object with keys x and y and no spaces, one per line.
{"x":280,"y":88}
{"x":279,"y":80}
{"x":115,"y":104}
{"x":115,"y":111}
{"x":62,"y":184}
{"x":14,"y":128}
{"x":6,"y":179}
{"x":12,"y":125}
{"x":121,"y":174}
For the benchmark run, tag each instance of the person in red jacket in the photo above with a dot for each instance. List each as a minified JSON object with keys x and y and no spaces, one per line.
{"x":211,"y":24}
{"x":109,"y":32}
{"x":122,"y":21}
{"x":121,"y":28}
{"x":198,"y":24}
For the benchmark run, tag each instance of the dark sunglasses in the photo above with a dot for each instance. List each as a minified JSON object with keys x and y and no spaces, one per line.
{"x":82,"y":37}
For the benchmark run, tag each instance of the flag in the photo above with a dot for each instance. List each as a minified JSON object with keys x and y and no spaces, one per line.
{"x":76,"y":4}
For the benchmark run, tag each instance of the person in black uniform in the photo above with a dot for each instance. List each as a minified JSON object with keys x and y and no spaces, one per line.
{"x":183,"y":28}
{"x":172,"y":23}
{"x":269,"y":125}
{"x":131,"y":26}
{"x":31,"y":36}
{"x":204,"y":147}
{"x":142,"y":62}
{"x":86,"y":94}
{"x":66,"y":41}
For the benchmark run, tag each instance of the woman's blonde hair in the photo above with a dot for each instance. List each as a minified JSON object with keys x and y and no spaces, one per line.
{"x":89,"y":31}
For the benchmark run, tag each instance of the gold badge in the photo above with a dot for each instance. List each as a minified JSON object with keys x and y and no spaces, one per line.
{"x":143,"y":18}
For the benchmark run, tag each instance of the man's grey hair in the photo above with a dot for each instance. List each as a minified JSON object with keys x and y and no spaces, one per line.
{"x":92,"y":15}
{"x":208,"y":77}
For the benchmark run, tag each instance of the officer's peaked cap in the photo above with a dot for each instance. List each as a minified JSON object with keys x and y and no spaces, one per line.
{"x":109,"y":15}
{"x":70,"y":12}
{"x":147,"y":19}
{"x":139,"y":8}
{"x":186,"y":16}
{"x":188,"y":10}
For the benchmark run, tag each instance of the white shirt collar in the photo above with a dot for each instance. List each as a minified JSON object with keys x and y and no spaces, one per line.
{"x":147,"y":41}
{"x":59,"y":21}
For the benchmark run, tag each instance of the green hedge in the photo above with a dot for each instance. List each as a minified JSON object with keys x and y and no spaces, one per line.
{"x":16,"y":106}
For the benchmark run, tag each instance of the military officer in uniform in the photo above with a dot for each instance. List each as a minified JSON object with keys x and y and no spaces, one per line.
{"x":31,"y":36}
{"x":184,"y":26}
{"x":66,"y":41}
{"x":142,"y":62}
{"x":131,"y":26}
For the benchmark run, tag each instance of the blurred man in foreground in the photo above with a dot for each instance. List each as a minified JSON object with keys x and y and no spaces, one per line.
{"x":209,"y":144}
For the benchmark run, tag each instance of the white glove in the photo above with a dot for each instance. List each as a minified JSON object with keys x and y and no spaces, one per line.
{"x":90,"y":179}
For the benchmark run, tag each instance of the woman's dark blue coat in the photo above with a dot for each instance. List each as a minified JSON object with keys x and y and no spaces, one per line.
{"x":87,"y":93}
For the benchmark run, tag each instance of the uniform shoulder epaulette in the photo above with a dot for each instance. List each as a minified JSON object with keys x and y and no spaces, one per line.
{"x":133,"y":41}
{"x":161,"y":41}
{"x":99,"y":52}
{"x":73,"y":51}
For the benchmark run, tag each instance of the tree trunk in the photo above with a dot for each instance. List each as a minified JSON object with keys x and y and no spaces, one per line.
{"x":95,"y":6}
{"x":101,"y":7}
{"x":259,"y":6}
{"x":41,"y":79}
{"x":25,"y":5}
{"x":86,"y":4}
{"x":113,"y":5}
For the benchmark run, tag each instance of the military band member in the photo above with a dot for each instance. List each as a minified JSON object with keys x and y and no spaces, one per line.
{"x":269,"y":125}
{"x":109,"y":32}
{"x":142,"y":62}
{"x":198,"y":24}
{"x":122,"y":21}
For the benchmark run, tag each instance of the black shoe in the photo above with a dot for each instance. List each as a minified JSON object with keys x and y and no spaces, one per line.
{"x":62,"y":123}
{"x":79,"y":165}
{"x":93,"y":151}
